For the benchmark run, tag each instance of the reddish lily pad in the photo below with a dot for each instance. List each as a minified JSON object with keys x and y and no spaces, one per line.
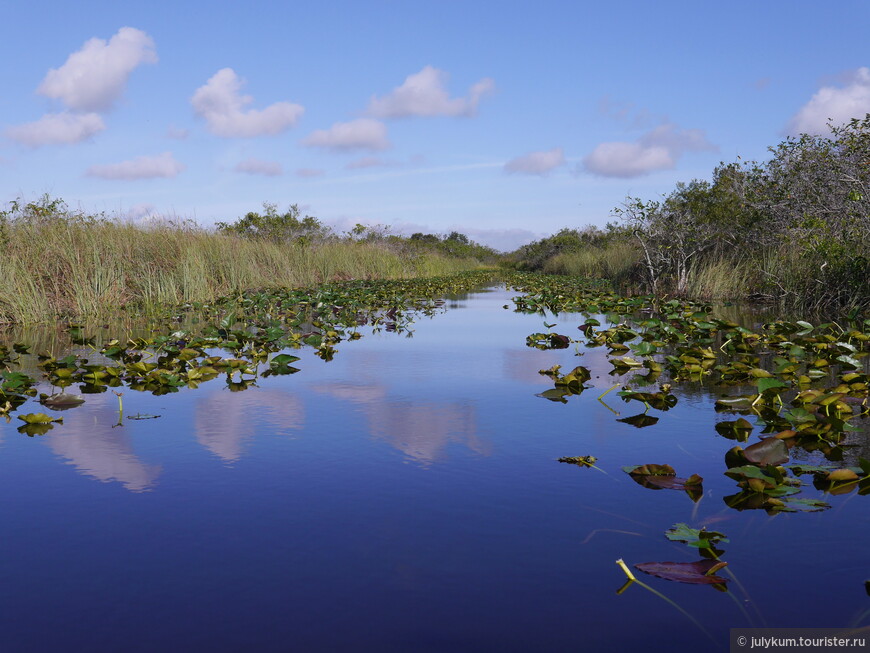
{"x":700,"y":572}
{"x":663,"y":477}
{"x":771,"y":451}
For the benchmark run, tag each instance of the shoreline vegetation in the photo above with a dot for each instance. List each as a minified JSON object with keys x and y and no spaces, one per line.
{"x":55,"y":262}
{"x":792,"y":231}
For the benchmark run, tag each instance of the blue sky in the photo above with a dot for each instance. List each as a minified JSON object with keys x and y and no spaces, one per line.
{"x":506,"y":121}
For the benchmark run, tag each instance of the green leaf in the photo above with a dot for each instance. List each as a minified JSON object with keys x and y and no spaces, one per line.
{"x":765,"y":384}
{"x":700,"y":539}
{"x":39,"y":418}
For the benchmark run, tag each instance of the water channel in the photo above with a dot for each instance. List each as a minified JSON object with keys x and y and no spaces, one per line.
{"x":405,"y":496}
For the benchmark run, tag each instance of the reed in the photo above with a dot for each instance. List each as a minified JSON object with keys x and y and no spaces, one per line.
{"x":616,"y":261}
{"x":79,"y":266}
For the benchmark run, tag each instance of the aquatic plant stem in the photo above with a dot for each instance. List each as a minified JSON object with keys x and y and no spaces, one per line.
{"x":120,"y":409}
{"x":606,"y":391}
{"x":625,"y":568}
{"x":633,"y":579}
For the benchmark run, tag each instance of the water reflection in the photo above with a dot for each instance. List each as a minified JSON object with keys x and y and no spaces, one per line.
{"x":105,"y":453}
{"x":225,"y":421}
{"x":421,"y":430}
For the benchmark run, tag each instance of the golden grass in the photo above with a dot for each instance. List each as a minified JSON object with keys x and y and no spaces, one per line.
{"x":616,"y":262}
{"x":89,"y":268}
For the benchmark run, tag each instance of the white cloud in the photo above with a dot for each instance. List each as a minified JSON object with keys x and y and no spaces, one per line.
{"x":536,"y":163}
{"x":360,"y":134}
{"x":57,"y":129}
{"x":224,"y":109}
{"x":141,"y":213}
{"x":367,"y":162}
{"x":253,"y":166}
{"x":627,"y":159}
{"x":142,"y":167}
{"x":423,"y":94}
{"x":95,"y":76}
{"x":658,"y":149}
{"x":834,"y":104}
{"x":310,"y":172}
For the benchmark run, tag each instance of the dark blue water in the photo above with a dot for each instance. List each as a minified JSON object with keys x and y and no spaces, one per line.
{"x":403,"y":497}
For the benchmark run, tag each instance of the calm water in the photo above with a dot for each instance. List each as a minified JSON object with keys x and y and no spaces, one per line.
{"x":403,"y":497}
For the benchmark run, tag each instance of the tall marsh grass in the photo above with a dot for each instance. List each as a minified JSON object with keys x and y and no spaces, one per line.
{"x":67,"y":264}
{"x":722,"y":278}
{"x":616,"y":261}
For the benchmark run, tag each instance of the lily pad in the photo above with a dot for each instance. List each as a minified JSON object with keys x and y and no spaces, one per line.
{"x":581,"y":461}
{"x":738,"y":429}
{"x":700,"y":572}
{"x":61,"y":401}
{"x":772,"y":451}
{"x":698,"y":538}
{"x":39,"y":418}
{"x":663,"y":477}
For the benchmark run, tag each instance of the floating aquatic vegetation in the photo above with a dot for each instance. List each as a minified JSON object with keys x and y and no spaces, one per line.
{"x":738,"y":429}
{"x":582,"y":461}
{"x":547,"y":341}
{"x":61,"y":401}
{"x":39,"y":418}
{"x":663,"y":477}
{"x":697,"y":538}
{"x":700,"y":572}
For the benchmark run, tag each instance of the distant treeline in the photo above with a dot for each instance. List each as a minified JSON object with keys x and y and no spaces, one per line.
{"x":794,"y":228}
{"x":57,"y":261}
{"x":290,"y":226}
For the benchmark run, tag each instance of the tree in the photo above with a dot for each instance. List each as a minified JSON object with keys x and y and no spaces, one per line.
{"x":275,"y":226}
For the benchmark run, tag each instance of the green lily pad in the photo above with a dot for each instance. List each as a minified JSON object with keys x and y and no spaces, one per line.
{"x":39,"y":418}
{"x":698,"y":538}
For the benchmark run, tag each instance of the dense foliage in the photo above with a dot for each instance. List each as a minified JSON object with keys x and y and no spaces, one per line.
{"x":795,"y":228}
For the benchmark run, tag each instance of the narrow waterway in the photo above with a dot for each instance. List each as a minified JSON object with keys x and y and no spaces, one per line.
{"x":405,"y":496}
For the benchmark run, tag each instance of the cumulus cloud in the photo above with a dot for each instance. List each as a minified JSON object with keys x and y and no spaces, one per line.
{"x":310,"y":172}
{"x":424,"y":94}
{"x":536,"y":163}
{"x":226,"y":113}
{"x":95,"y":76}
{"x":142,"y":167}
{"x":658,"y":149}
{"x":834,"y":104}
{"x":360,"y":134}
{"x":253,"y":166}
{"x":57,"y":129}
